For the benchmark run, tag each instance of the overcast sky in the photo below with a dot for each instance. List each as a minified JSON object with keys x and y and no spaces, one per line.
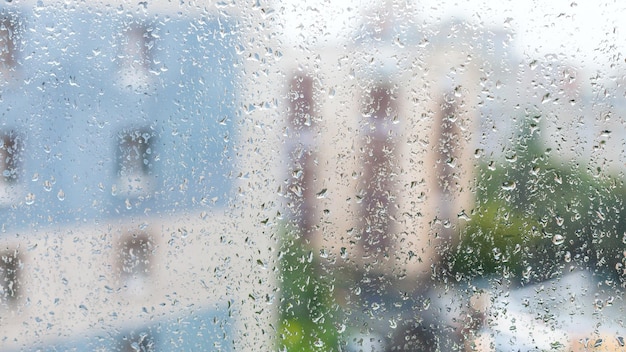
{"x":587,"y":33}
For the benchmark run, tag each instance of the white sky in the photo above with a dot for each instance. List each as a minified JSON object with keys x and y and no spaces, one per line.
{"x":588,"y":33}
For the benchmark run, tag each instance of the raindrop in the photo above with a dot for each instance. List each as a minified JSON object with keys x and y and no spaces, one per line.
{"x":511,"y":158}
{"x":559,"y":221}
{"x":30,"y":198}
{"x":509,"y":185}
{"x":47,"y":186}
{"x":321,"y":194}
{"x":61,"y":195}
{"x":558,"y":239}
{"x":526,"y":272}
{"x":620,"y":340}
{"x":343,"y":253}
{"x":462,"y":215}
{"x":497,"y":254}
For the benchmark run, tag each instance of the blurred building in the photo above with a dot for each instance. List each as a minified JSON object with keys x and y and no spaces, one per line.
{"x":379,"y":142}
{"x":383,"y":140}
{"x":118,"y":162}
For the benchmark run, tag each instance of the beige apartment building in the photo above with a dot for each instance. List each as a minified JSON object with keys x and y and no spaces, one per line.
{"x":377,"y":142}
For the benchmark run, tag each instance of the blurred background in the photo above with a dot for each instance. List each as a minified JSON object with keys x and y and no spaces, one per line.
{"x":355,"y":176}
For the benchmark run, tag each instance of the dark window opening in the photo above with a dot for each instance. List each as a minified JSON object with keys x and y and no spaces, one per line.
{"x":9,"y":275}
{"x":9,"y":156}
{"x":138,"y":342}
{"x":379,"y":164}
{"x":134,"y":162}
{"x":137,"y":47}
{"x":449,"y":146}
{"x":302,"y":156}
{"x":8,"y":42}
{"x":135,"y":258}
{"x":135,"y":152}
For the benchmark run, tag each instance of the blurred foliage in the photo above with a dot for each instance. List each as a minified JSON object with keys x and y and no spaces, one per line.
{"x":306,"y":306}
{"x":538,"y":216}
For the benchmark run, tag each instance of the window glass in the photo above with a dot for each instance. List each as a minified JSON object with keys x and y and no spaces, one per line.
{"x":351,"y":176}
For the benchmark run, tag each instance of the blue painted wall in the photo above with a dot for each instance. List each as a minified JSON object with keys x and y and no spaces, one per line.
{"x":65,"y":101}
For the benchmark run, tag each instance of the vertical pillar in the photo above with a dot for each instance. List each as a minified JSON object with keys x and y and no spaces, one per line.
{"x":302,"y":158}
{"x":379,"y":172}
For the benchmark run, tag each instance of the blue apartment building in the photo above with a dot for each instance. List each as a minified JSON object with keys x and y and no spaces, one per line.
{"x":107,"y":115}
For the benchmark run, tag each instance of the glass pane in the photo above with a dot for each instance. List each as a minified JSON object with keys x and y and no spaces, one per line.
{"x":351,"y":176}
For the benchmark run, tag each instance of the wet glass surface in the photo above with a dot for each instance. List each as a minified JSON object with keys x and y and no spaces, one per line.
{"x":354,"y":176}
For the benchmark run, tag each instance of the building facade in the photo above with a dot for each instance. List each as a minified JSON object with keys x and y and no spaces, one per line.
{"x":117,"y":153}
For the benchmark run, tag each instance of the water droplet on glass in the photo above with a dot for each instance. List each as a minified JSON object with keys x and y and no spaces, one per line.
{"x":462,"y":215}
{"x":478,"y":153}
{"x":568,"y":257}
{"x":620,"y":340}
{"x":30,"y":198}
{"x":558,"y":239}
{"x":509,"y":185}
{"x":559,"y":220}
{"x":321,"y":194}
{"x":497,"y":254}
{"x":511,"y":158}
{"x":61,"y":195}
{"x":343,"y":253}
{"x":47,"y":186}
{"x":526,"y":272}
